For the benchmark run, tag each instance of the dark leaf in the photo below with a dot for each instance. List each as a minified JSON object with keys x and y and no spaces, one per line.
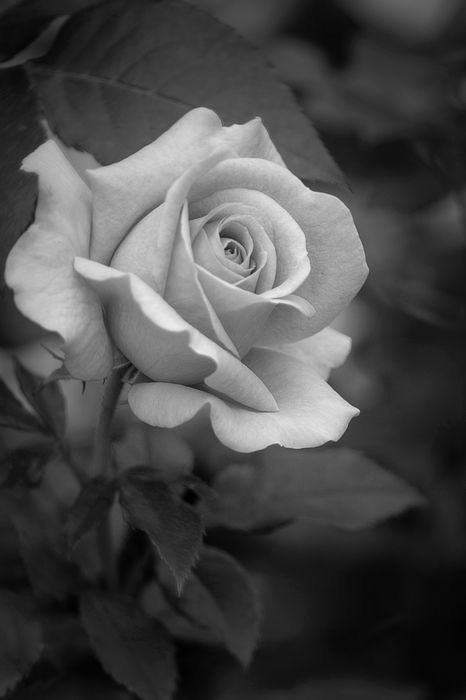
{"x":134,"y":649}
{"x":51,"y":575}
{"x":46,"y":398}
{"x":220,"y":598}
{"x":14,"y":415}
{"x":22,"y":132}
{"x":20,"y":640}
{"x":121,"y":74}
{"x":89,"y":509}
{"x":25,"y":466}
{"x":22,"y":20}
{"x":339,"y":487}
{"x":173,"y":526}
{"x":11,"y":565}
{"x":65,"y":641}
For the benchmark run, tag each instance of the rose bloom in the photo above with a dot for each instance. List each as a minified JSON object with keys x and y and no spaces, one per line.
{"x":207,"y":264}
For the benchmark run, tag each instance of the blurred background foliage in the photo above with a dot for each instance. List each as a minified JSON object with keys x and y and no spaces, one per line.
{"x":379,"y":614}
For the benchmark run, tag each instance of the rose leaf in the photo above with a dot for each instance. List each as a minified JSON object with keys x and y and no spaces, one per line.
{"x":22,"y":132}
{"x":46,"y":398}
{"x":120,"y":74}
{"x":14,"y":415}
{"x":21,"y":21}
{"x":20,"y":640}
{"x":134,"y":649}
{"x":52,"y":577}
{"x":174,"y":526}
{"x":89,"y":509}
{"x":219,"y":597}
{"x":339,"y":487}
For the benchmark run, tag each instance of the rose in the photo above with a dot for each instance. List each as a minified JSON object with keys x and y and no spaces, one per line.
{"x":211,"y":267}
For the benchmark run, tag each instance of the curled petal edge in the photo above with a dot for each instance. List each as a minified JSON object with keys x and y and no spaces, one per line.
{"x":309,"y":414}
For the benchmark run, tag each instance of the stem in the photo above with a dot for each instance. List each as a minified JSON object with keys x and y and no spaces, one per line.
{"x":101,"y":465}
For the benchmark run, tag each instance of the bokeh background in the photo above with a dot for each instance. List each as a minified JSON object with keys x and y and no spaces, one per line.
{"x":379,"y":614}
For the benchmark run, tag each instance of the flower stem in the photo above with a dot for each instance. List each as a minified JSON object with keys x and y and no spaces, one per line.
{"x":101,"y":465}
{"x":101,"y":462}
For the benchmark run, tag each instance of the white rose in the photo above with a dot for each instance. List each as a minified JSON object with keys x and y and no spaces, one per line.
{"x":211,"y":267}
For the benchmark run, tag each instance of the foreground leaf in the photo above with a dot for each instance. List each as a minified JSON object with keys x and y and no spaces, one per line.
{"x":51,"y":575}
{"x":89,"y":509}
{"x":173,"y":526}
{"x":14,"y":415}
{"x":133,"y":648}
{"x":220,"y":597}
{"x":339,"y":487}
{"x":20,"y":641}
{"x":122,"y":73}
{"x":46,"y":398}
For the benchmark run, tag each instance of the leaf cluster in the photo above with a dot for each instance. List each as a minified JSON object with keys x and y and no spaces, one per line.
{"x":174,"y":588}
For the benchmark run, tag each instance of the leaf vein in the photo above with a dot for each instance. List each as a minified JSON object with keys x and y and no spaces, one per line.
{"x":108,"y":83}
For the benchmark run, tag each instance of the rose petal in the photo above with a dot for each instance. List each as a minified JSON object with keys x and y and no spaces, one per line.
{"x":125,"y":191}
{"x":310,"y":412}
{"x":262,"y":242}
{"x":185,"y":293}
{"x":40,"y":266}
{"x":287,"y":238}
{"x":338,"y":266}
{"x":162,"y":345}
{"x":324,"y":350}
{"x":252,"y":140}
{"x":81,"y":161}
{"x":147,"y":249}
{"x":209,"y":254}
{"x":244,"y":314}
{"x":232,"y":233}
{"x":158,"y":250}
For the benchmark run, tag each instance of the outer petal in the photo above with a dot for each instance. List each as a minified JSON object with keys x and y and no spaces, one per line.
{"x":310,"y":412}
{"x":252,"y":140}
{"x":40,"y":266}
{"x":324,"y":351}
{"x":162,"y":345}
{"x":125,"y":191}
{"x":338,"y":266}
